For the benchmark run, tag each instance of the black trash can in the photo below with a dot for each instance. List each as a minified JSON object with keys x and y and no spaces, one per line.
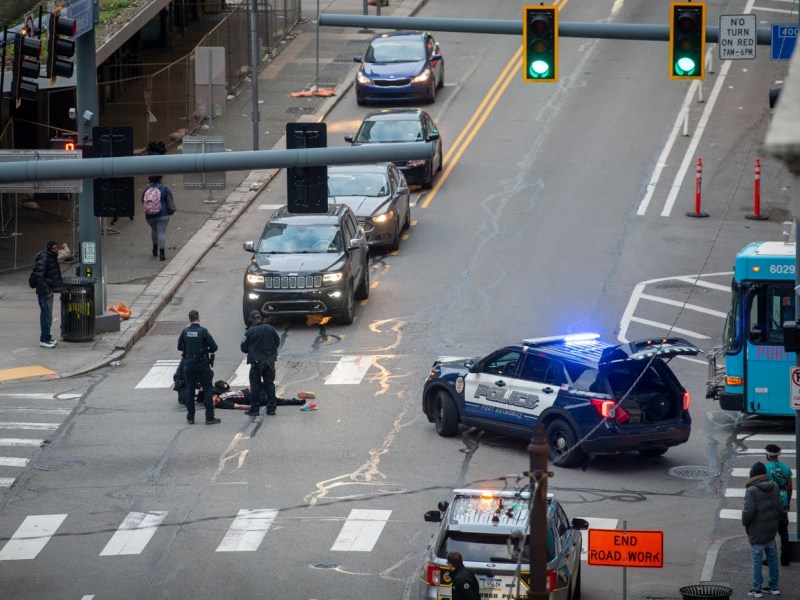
{"x":77,"y":309}
{"x":706,"y":591}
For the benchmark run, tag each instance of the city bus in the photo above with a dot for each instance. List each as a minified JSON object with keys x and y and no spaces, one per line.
{"x":755,"y":376}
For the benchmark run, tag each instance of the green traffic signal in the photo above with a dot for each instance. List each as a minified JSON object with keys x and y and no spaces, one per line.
{"x":540,"y":43}
{"x":687,"y":39}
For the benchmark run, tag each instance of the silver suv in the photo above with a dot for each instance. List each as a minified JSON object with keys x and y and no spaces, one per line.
{"x":490,"y":530}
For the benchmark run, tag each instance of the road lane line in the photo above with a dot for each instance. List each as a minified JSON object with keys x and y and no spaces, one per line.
{"x":669,"y":328}
{"x":29,"y":539}
{"x":29,"y":426}
{"x":745,"y":472}
{"x":706,"y":284}
{"x":7,"y":482}
{"x":134,"y":533}
{"x":361,"y":531}
{"x":680,"y":304}
{"x":731,"y":513}
{"x":767,"y":437}
{"x":350,"y":370}
{"x":13,"y":461}
{"x":247,"y":530}
{"x":20,"y":442}
{"x":159,"y":375}
{"x":241,"y":378}
{"x":35,"y":411}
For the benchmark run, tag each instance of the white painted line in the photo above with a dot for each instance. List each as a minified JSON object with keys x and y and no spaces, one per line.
{"x":247,"y":530}
{"x":29,"y":426}
{"x":241,"y":378}
{"x":350,"y":370}
{"x":13,"y":461}
{"x":745,"y":472}
{"x":706,"y":284}
{"x":730,"y":513}
{"x":88,"y":597}
{"x":20,"y":442}
{"x":789,"y":451}
{"x":775,"y":10}
{"x":694,"y":307}
{"x":767,"y":437}
{"x":670,"y":329}
{"x":159,"y":375}
{"x":7,"y":482}
{"x":29,"y":539}
{"x":734,"y":492}
{"x":31,"y":395}
{"x":35,"y":411}
{"x":269,"y":206}
{"x":595,"y":523}
{"x":134,"y":533}
{"x":361,"y":531}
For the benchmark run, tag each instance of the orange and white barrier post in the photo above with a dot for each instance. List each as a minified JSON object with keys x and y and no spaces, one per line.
{"x":698,"y":185}
{"x":757,"y":216}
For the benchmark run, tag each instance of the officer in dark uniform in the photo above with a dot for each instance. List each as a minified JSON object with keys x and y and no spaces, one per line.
{"x":260,"y":343}
{"x":197,"y":346}
{"x":465,"y":584}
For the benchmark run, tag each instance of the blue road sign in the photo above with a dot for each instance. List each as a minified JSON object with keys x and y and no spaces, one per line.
{"x":83,"y":12}
{"x":784,"y":38}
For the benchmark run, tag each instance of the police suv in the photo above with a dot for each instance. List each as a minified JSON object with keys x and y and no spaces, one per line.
{"x":591,"y":396}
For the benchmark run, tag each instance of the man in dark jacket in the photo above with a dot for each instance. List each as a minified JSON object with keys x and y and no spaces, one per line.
{"x":197,"y":346}
{"x":260,"y":343}
{"x":760,"y":517}
{"x":465,"y":584}
{"x":47,"y":274}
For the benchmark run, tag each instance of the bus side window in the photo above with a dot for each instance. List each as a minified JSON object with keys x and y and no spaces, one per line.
{"x":758,"y":329}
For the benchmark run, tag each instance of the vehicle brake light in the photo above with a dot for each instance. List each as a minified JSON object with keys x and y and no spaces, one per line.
{"x":432,"y":574}
{"x":622,"y":415}
{"x":734,"y":381}
{"x":551,"y":581}
{"x":687,"y":400}
{"x":606,"y":408}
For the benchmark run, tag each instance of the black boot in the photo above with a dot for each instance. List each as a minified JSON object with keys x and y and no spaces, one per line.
{"x":155,"y":249}
{"x":161,"y":254}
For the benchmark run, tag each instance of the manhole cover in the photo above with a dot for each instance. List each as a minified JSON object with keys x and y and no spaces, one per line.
{"x":58,"y":465}
{"x":693,"y":472}
{"x":167,"y":328}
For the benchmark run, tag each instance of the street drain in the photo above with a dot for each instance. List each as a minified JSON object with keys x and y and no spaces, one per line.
{"x":58,"y":465}
{"x":693,"y":472}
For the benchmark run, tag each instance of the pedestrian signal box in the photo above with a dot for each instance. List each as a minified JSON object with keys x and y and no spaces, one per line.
{"x":64,"y":142}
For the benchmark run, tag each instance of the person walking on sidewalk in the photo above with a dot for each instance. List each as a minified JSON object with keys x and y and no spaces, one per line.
{"x":197,"y":345}
{"x":47,"y":276}
{"x":260,"y":343}
{"x":781,"y":473}
{"x":465,"y":584}
{"x":760,"y":516}
{"x":157,"y":200}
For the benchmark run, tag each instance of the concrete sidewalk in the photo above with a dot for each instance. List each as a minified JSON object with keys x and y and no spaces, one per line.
{"x":132,"y":275}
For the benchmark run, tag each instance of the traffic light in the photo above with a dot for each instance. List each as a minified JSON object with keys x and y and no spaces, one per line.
{"x":687,"y":40}
{"x":540,"y":43}
{"x":307,"y":187}
{"x":26,"y":67}
{"x":59,"y":49}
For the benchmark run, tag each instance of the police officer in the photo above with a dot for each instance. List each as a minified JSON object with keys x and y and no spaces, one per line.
{"x":197,"y":347}
{"x":465,"y":584}
{"x":260,"y":343}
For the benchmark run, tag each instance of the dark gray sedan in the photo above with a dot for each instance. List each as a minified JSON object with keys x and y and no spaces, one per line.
{"x":378,"y":195}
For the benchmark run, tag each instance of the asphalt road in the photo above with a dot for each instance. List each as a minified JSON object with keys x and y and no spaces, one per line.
{"x":533,"y":229}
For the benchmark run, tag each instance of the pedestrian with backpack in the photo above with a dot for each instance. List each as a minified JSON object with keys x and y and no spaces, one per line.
{"x":158,"y":204}
{"x":46,"y":278}
{"x":781,"y":473}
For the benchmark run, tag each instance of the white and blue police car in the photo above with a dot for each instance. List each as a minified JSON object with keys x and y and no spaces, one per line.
{"x":591,"y":396}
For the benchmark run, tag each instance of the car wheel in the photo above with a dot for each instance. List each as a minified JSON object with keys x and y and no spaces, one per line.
{"x":441,"y":81}
{"x":446,"y":417}
{"x":407,"y":222}
{"x":563,"y":443}
{"x":428,"y":181}
{"x":653,"y":452}
{"x":349,"y":310}
{"x":362,"y":292}
{"x":395,"y":243}
{"x":432,"y":93}
{"x":441,"y":162}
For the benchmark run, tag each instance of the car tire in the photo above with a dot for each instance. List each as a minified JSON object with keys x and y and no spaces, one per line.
{"x":394,"y":245}
{"x":427,"y":183}
{"x":407,"y":222}
{"x":446,"y":415}
{"x":362,"y":291}
{"x":432,"y":93}
{"x":348,"y":313}
{"x":441,"y":162}
{"x":563,"y":443}
{"x":440,"y":85}
{"x":653,"y":452}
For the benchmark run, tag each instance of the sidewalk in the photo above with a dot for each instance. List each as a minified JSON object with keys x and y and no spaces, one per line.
{"x":144,"y":283}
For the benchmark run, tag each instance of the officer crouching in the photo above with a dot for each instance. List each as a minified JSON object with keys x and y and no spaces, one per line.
{"x":197,"y":348}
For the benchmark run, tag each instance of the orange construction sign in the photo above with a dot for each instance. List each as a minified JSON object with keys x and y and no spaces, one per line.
{"x":619,"y":548}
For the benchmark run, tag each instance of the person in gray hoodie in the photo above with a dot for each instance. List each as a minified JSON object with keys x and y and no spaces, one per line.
{"x":760,"y":517}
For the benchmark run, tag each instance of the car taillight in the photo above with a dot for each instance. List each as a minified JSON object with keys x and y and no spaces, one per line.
{"x":551,"y":581}
{"x":687,"y":400}
{"x":622,"y":415}
{"x":433,"y":574}
{"x":604,"y":407}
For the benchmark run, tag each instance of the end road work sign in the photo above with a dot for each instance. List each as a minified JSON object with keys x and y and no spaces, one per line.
{"x":621,"y":548}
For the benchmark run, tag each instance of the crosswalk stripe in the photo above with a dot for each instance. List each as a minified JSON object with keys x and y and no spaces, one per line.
{"x":731,"y":513}
{"x":39,"y":396}
{"x":34,"y":411}
{"x":670,"y":328}
{"x":766,"y":437}
{"x":241,"y":378}
{"x":745,"y":472}
{"x":13,"y":461}
{"x":134,"y":533}
{"x":705,"y":284}
{"x":788,"y":451}
{"x":247,"y":530}
{"x":20,"y":442}
{"x":595,"y":523}
{"x":694,"y":307}
{"x":29,"y":426}
{"x":350,"y":370}
{"x":361,"y":530}
{"x":29,"y":539}
{"x":159,"y":375}
{"x":7,"y":481}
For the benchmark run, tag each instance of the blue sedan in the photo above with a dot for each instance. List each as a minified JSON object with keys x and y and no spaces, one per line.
{"x":400,"y":66}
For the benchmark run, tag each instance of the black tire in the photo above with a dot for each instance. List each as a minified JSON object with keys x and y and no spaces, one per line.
{"x":395,"y":243}
{"x":428,"y":181}
{"x":576,"y":588}
{"x":362,"y":291}
{"x":432,"y":94}
{"x":563,"y":443}
{"x":441,"y":162}
{"x":446,"y":415}
{"x":653,"y":452}
{"x":441,"y":81}
{"x":348,"y":313}
{"x":407,"y":222}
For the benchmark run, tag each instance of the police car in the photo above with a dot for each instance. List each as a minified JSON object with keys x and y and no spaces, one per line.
{"x":490,"y":530}
{"x":591,"y":396}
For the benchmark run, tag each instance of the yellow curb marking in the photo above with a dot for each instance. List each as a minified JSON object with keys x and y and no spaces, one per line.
{"x":21,"y":372}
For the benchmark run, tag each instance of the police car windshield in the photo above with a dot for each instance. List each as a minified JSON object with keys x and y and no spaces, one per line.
{"x":299,"y":239}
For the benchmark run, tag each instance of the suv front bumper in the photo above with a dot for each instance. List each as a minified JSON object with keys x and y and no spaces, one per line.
{"x":323,"y":301}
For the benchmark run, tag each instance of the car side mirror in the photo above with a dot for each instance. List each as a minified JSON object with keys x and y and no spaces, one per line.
{"x":443,"y":505}
{"x":358,"y":58}
{"x":472,"y":366}
{"x":433,"y":136}
{"x":249,"y":246}
{"x":402,"y":189}
{"x":436,"y":56}
{"x":578,"y":523}
{"x":433,"y":516}
{"x":348,"y":138}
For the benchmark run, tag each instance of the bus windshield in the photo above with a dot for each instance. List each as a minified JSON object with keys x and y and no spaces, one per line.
{"x":769,"y":306}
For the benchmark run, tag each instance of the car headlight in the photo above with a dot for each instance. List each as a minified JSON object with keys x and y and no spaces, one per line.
{"x":384,"y":217}
{"x":255,"y":279}
{"x":361,"y":78}
{"x":422,"y":77}
{"x":332,"y":277}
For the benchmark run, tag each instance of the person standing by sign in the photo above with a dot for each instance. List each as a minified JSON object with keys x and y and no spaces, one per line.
{"x":158,"y":204}
{"x":781,"y":473}
{"x":46,"y":278}
{"x":760,"y":517}
{"x":465,"y":584}
{"x":196,"y":346}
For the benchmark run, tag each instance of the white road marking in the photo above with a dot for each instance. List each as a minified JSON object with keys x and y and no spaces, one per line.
{"x":159,"y":375}
{"x":269,"y":206}
{"x":35,"y":411}
{"x":706,"y":284}
{"x":790,"y":451}
{"x":731,"y":513}
{"x":745,"y":472}
{"x":7,"y":481}
{"x":29,"y":426}
{"x":29,"y":539}
{"x":247,"y":530}
{"x":40,"y":396}
{"x":350,"y":370}
{"x":361,"y":530}
{"x":595,"y":523}
{"x":679,"y":304}
{"x":767,"y":437}
{"x":134,"y":533}
{"x":13,"y":461}
{"x":241,"y":378}
{"x":669,"y":328}
{"x":20,"y":442}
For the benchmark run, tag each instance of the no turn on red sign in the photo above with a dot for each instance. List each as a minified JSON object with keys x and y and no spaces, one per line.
{"x":794,"y":387}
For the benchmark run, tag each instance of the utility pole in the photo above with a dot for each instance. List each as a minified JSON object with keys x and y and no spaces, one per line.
{"x":537,"y":534}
